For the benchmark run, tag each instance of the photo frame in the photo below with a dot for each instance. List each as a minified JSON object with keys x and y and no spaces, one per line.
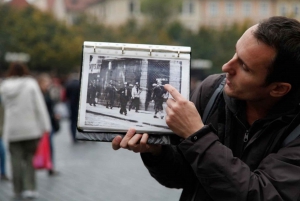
{"x":121,"y":86}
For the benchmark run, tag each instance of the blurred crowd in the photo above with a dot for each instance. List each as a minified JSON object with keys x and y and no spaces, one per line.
{"x":28,"y":110}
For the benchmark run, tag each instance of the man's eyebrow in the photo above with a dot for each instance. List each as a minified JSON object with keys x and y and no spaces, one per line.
{"x":239,"y":58}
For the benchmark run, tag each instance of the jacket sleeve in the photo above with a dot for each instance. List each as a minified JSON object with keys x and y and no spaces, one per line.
{"x":170,"y":168}
{"x":223,"y":175}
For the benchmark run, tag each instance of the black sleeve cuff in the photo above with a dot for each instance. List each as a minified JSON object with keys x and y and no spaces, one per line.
{"x":151,"y":160}
{"x":203,"y":131}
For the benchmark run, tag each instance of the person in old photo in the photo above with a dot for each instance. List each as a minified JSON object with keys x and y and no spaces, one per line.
{"x":125,"y":95}
{"x":110,"y":95}
{"x":135,"y":96}
{"x":158,"y":97}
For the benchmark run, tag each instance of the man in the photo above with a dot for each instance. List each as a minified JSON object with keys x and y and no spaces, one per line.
{"x":238,"y":154}
{"x":135,"y":95}
{"x":72,"y":97}
{"x":92,"y":91}
{"x":158,"y":97}
{"x":110,"y":95}
{"x":124,"y":98}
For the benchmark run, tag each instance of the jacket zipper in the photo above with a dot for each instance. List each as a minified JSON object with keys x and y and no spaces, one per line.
{"x":246,"y":138}
{"x":246,"y":135}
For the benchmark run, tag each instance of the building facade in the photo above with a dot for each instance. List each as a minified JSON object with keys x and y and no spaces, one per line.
{"x":197,"y":13}
{"x":193,"y":13}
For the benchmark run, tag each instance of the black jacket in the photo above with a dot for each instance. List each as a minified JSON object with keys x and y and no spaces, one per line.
{"x":216,"y":164}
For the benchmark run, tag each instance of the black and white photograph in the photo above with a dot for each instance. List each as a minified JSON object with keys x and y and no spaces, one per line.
{"x":119,"y":92}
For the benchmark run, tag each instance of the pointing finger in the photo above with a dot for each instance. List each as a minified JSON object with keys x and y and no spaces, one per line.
{"x":175,"y":94}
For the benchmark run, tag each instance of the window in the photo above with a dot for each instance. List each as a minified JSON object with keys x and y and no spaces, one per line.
{"x":213,"y":8}
{"x":229,"y":6}
{"x":246,"y":8}
{"x":282,"y":10}
{"x":133,"y":7}
{"x":296,"y":10}
{"x":188,"y":7}
{"x":264,"y":9}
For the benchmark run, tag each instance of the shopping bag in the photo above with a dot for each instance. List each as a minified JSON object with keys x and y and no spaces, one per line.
{"x":42,"y":156}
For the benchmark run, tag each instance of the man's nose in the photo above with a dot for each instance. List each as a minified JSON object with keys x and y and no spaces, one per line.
{"x":230,"y":66}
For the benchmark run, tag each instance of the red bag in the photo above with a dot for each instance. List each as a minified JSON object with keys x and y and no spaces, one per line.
{"x":42,"y":156}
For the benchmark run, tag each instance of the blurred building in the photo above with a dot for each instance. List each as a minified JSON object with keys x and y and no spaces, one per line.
{"x":193,"y":13}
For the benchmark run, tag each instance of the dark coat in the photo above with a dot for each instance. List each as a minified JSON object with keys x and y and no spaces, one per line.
{"x":124,"y":96}
{"x":216,"y":164}
{"x":72,"y":95}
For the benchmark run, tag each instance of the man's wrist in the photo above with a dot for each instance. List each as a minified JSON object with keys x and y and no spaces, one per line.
{"x":201,"y":132}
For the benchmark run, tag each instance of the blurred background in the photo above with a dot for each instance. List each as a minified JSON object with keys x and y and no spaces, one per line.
{"x":47,"y":35}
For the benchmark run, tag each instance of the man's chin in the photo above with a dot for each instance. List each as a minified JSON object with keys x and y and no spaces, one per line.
{"x":230,"y":93}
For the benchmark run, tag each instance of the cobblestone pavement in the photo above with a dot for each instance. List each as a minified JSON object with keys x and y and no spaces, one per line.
{"x":93,"y":171}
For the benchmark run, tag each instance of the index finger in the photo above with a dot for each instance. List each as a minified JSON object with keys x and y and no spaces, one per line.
{"x":175,"y":94}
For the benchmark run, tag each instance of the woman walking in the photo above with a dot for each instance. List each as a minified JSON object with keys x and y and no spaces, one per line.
{"x":26,"y":119}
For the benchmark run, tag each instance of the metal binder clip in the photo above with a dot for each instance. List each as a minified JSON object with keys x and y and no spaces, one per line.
{"x":150,"y":52}
{"x":95,"y":48}
{"x":178,"y":53}
{"x":123,"y":49}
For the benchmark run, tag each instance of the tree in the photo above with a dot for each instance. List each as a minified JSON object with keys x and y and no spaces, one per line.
{"x":51,"y":45}
{"x":160,"y":12}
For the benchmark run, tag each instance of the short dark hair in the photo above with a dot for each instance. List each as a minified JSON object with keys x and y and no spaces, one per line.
{"x":283,"y":34}
{"x":17,"y":69}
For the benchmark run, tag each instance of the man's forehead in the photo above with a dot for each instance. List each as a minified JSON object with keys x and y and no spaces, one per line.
{"x":251,"y":51}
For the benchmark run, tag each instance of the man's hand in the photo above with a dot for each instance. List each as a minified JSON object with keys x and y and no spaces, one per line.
{"x":135,"y":142}
{"x":182,"y":116}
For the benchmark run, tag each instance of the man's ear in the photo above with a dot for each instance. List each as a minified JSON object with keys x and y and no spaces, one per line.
{"x":280,"y":89}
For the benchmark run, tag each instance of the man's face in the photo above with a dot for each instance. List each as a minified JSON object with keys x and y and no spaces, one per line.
{"x":247,"y":70}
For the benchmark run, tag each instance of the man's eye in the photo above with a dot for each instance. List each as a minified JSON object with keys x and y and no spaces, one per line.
{"x":244,"y":66}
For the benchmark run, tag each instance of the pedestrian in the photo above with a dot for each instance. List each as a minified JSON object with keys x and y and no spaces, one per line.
{"x":72,"y":97}
{"x":92,"y":93}
{"x":110,"y":95}
{"x":3,"y":176}
{"x":44,"y":81}
{"x":26,"y":119}
{"x":124,"y":98}
{"x":158,"y":95}
{"x":135,"y":96}
{"x":238,"y":152}
{"x":148,"y":98}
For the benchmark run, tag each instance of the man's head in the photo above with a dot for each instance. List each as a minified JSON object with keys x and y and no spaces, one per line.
{"x":283,"y":34}
{"x":266,"y":61}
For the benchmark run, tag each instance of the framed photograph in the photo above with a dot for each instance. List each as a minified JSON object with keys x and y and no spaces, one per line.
{"x":122,"y":86}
